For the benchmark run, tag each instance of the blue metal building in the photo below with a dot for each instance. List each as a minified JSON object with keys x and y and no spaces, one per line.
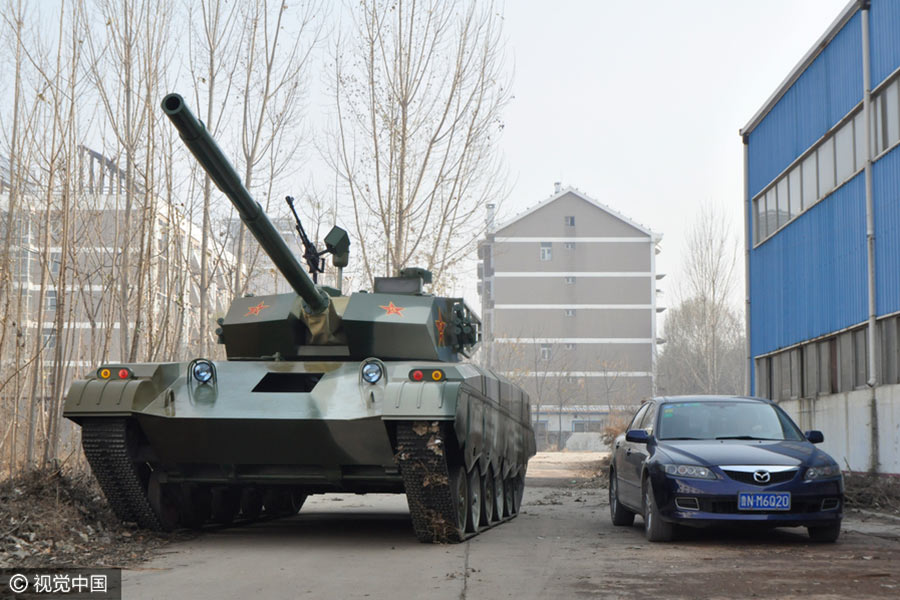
{"x":822,"y":206}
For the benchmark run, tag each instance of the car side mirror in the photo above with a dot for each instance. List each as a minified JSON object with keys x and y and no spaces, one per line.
{"x":638,"y":436}
{"x":815,"y":437}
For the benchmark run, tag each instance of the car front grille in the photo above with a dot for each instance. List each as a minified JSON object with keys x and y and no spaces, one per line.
{"x":774,"y":478}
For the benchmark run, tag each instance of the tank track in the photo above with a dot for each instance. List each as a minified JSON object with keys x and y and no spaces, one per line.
{"x":110,"y":451}
{"x":422,"y":457}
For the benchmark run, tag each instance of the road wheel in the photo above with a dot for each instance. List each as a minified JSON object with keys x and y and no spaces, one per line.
{"x":621,"y":516}
{"x":226,"y":502}
{"x":283,"y":502}
{"x":460,"y":498}
{"x":474,"y":500}
{"x":518,"y":490}
{"x":499,"y":497}
{"x":196,"y":505}
{"x":655,"y":528}
{"x":164,"y":501}
{"x":510,"y":488}
{"x":487,"y":495}
{"x":251,"y":503}
{"x":826,"y":533}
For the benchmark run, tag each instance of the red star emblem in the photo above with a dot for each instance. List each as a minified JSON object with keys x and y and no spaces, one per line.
{"x":392,"y":309}
{"x":255,"y":310}
{"x":441,"y":326}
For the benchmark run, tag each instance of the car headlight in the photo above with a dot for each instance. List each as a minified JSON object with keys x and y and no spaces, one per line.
{"x":371,"y":372}
{"x":695,"y":471}
{"x":816,"y":473}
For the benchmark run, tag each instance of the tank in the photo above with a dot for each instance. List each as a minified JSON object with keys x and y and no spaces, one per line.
{"x":320,"y":393}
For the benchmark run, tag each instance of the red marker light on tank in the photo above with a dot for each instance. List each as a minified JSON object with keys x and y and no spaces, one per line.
{"x":418,"y":375}
{"x":124,"y":373}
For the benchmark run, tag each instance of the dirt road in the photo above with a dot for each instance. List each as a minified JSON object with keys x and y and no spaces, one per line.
{"x":562,"y":545}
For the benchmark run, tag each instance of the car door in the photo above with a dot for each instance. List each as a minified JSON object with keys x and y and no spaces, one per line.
{"x":638,"y":454}
{"x":628,"y":494}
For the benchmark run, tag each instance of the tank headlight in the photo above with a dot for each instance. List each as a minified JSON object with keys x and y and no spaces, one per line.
{"x":202,"y":371}
{"x":372,"y":372}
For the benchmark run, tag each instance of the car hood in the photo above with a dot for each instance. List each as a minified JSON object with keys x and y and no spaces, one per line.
{"x":739,"y":452}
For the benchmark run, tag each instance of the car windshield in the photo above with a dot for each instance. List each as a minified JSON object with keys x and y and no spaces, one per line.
{"x":725,"y":420}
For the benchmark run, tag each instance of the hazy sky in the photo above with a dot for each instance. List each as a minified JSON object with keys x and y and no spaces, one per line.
{"x":638,"y":104}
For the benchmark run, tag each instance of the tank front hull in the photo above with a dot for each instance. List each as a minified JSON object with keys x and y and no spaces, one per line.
{"x":311,"y":427}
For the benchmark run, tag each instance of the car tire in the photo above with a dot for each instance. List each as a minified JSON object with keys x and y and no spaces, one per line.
{"x":620,"y":516}
{"x":655,"y":529}
{"x":826,"y":533}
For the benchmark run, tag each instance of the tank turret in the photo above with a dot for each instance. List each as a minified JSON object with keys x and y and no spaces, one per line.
{"x":397,"y":321}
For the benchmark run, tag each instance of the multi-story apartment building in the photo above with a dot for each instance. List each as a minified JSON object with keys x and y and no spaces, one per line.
{"x":569,"y":303}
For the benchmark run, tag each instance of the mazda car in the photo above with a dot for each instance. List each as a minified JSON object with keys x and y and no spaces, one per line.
{"x":702,"y":461}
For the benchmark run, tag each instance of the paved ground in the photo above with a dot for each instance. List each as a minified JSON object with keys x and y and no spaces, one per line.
{"x":562,"y":545}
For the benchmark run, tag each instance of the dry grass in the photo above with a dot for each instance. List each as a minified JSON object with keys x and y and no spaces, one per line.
{"x":872,"y":492}
{"x":48,"y":519}
{"x":615,"y":426}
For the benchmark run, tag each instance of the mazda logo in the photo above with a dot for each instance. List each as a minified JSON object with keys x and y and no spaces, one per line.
{"x":761,"y":476}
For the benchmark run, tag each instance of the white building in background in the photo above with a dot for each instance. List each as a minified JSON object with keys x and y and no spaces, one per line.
{"x":569,"y":304}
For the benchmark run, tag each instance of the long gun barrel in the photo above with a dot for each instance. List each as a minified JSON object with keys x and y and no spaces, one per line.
{"x":213,"y":161}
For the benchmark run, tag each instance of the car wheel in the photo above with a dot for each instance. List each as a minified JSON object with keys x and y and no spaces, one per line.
{"x":655,"y":528}
{"x":621,"y":516}
{"x":826,"y":533}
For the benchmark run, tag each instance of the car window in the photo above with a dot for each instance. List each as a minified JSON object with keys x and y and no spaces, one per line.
{"x":649,"y":419}
{"x":725,"y":419}
{"x":637,"y":417}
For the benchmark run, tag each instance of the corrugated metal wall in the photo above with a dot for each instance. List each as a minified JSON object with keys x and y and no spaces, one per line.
{"x":886,"y":188}
{"x":810,"y":279}
{"x":824,"y":93}
{"x":884,"y":40}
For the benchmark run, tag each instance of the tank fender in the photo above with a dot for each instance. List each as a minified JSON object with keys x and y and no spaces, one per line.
{"x":119,"y":396}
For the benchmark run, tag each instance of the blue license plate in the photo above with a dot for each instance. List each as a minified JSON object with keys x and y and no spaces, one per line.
{"x":764,"y":501}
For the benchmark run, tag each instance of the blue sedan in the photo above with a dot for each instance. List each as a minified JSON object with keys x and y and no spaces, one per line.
{"x":712,"y":460}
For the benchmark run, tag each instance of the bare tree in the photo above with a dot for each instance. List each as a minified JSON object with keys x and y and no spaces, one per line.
{"x":703,"y":333}
{"x":218,"y":51}
{"x":418,"y":90}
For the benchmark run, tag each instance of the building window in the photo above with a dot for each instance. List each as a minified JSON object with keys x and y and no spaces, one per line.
{"x":887,"y":120}
{"x":825,"y":159}
{"x":545,"y":351}
{"x":55,"y":259}
{"x":570,"y":245}
{"x":784,"y":207}
{"x":570,"y":281}
{"x":843,"y":152}
{"x":48,"y":338}
{"x":50,"y":299}
{"x":810,"y":181}
{"x":771,"y":211}
{"x":570,"y":221}
{"x":546,"y":251}
{"x":570,"y":312}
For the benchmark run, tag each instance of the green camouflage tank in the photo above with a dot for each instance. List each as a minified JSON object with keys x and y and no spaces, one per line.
{"x":320,"y":393}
